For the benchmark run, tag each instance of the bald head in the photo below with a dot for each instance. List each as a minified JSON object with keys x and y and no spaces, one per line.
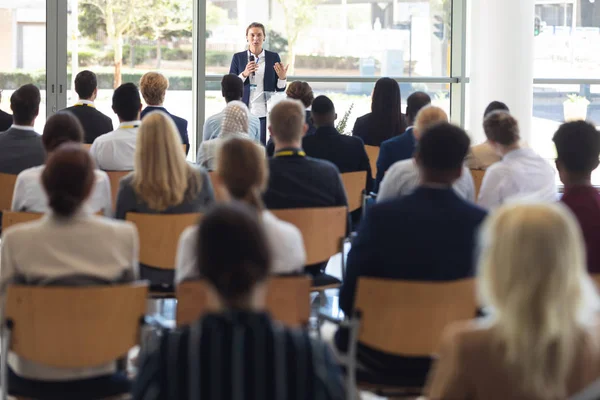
{"x":428,"y":117}
{"x":287,"y":123}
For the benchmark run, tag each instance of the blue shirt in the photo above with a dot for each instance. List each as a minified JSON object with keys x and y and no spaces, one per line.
{"x":212,"y":127}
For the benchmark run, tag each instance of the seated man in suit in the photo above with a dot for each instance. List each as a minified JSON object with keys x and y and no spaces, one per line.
{"x":428,"y":235}
{"x":154,"y":88}
{"x":295,"y":180}
{"x":483,"y":155}
{"x":93,"y":121}
{"x":115,"y":151}
{"x":232,"y":89}
{"x":401,"y":147}
{"x":6,"y":119}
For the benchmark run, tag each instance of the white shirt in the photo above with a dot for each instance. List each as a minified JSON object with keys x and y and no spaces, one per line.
{"x":258,"y":101}
{"x":115,"y":150}
{"x":29,"y":194}
{"x":212,"y":127}
{"x":22,"y":127}
{"x":285,"y":241}
{"x":521,"y":175}
{"x":403,"y":177}
{"x":207,"y":152}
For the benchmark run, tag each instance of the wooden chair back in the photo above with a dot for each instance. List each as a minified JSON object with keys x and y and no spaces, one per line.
{"x":159,"y":236}
{"x":288,"y":300}
{"x":408,"y":318}
{"x":354,"y":184}
{"x":373,"y":153}
{"x":184,"y":148}
{"x":10,"y":218}
{"x":323,"y":230}
{"x":7,"y":187}
{"x":114,"y":178}
{"x":477,"y":175}
{"x":87,"y":146}
{"x":75,"y":327}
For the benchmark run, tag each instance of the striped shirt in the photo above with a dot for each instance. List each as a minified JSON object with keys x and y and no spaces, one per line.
{"x":238,"y":355}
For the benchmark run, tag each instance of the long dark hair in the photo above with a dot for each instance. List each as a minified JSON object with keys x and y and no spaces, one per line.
{"x":386,"y":118}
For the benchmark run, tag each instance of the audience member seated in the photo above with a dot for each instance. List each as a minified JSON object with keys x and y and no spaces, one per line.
{"x":346,"y":152}
{"x":20,"y":146}
{"x":302,"y":91}
{"x":162,"y":182}
{"x":232,"y":89}
{"x":93,"y":121}
{"x":115,"y":151}
{"x":578,"y":149}
{"x":236,"y":350}
{"x":234,"y":123}
{"x":29,"y":195}
{"x":483,"y":155}
{"x":401,"y":147}
{"x":404,"y":177}
{"x":385,"y":119}
{"x":153,"y":86}
{"x":540,"y":340}
{"x":6,"y":120}
{"x":428,"y":235}
{"x":242,"y":176}
{"x":521,"y":174}
{"x":68,"y":246}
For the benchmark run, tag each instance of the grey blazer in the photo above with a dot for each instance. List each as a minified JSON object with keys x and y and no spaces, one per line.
{"x":20,"y":149}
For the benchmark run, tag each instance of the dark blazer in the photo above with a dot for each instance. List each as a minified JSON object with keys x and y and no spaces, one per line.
{"x":181,"y":123}
{"x":428,"y":235}
{"x":346,"y":152}
{"x":94,"y":122}
{"x":303,"y":182}
{"x":395,"y":149}
{"x":363,"y":128}
{"x":311,"y":131}
{"x":238,"y":65}
{"x":6,"y":120}
{"x":19,"y":150}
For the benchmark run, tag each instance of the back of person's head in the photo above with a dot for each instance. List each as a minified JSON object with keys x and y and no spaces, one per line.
{"x":441,"y":152}
{"x":235,"y":118}
{"x":242,"y":169}
{"x":323,"y":111}
{"x":495,"y":106}
{"x":428,"y":117}
{"x":86,"y":84}
{"x":501,"y":127}
{"x":126,"y":102}
{"x":68,"y":178}
{"x":61,"y":128}
{"x":287,"y":121}
{"x":161,"y":177}
{"x":153,"y":86}
{"x":414,"y":103}
{"x":25,"y":104}
{"x":233,"y":253}
{"x":532,"y":275}
{"x":302,"y":91}
{"x":232,"y":87}
{"x":578,"y":147}
{"x":387,"y":120}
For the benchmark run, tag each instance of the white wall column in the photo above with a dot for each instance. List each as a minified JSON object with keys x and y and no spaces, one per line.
{"x":501,"y":54}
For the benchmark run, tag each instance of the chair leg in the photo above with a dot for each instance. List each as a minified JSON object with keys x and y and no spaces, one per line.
{"x":4,"y":362}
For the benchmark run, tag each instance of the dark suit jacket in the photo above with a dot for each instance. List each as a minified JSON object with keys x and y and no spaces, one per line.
{"x":94,"y":122}
{"x":363,"y":128}
{"x":311,"y":131}
{"x":6,"y":120}
{"x":303,"y":182}
{"x":181,"y":123}
{"x":238,"y":65}
{"x":19,"y":150}
{"x":395,"y":149}
{"x":346,"y":152}
{"x":428,"y":235}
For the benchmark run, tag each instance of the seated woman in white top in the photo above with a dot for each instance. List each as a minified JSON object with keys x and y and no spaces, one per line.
{"x":69,"y":245}
{"x":242,"y":175}
{"x":234,"y":124}
{"x":29,"y":194}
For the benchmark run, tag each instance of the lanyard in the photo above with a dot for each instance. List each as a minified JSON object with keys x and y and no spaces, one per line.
{"x":128,"y":126}
{"x":85,"y":105}
{"x":289,"y":153}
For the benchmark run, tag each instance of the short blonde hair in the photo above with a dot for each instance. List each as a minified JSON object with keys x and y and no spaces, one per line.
{"x":287,"y":120}
{"x":532,"y":274}
{"x":153,"y":86}
{"x":161,"y":177}
{"x":427,"y":117}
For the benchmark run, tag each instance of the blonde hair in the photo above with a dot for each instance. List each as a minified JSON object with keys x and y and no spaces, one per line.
{"x":161,"y":176}
{"x":287,"y":120}
{"x":427,"y":117}
{"x":533,"y":277}
{"x":153,"y":86}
